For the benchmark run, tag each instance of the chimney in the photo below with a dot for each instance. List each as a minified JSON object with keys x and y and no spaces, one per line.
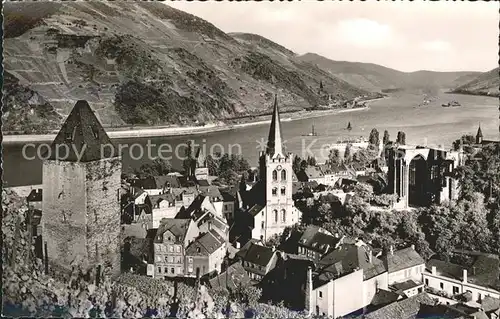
{"x":209,"y":225}
{"x":370,"y":257}
{"x":413,"y":247}
{"x":391,"y":250}
{"x":308,"y":292}
{"x":464,"y":275}
{"x":238,"y":245}
{"x":433,"y":270}
{"x":473,"y":271}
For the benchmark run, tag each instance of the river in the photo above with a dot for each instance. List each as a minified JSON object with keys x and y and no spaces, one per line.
{"x":430,"y":124}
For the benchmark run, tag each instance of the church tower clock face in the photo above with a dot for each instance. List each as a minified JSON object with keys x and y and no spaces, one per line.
{"x":278,"y":167}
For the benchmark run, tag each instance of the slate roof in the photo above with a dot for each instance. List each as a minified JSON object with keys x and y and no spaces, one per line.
{"x":203,"y":182}
{"x":155,"y":199}
{"x":404,"y":309}
{"x":205,"y":245}
{"x":335,"y":169}
{"x":346,"y":259}
{"x":274,"y":139}
{"x":195,"y":210}
{"x":172,"y":179}
{"x":136,"y":192}
{"x":227,"y":197}
{"x":402,"y":259}
{"x":178,"y":227}
{"x":80,"y":128}
{"x":146,"y":183}
{"x":403,"y":286}
{"x":211,"y":191}
{"x":231,"y":278}
{"x":384,"y":297}
{"x":255,"y":210}
{"x":313,"y":172}
{"x":35,"y":195}
{"x":358,"y":166}
{"x":485,"y":270}
{"x":444,"y":268}
{"x":256,"y":195}
{"x":456,"y":311}
{"x":314,"y":239}
{"x":259,"y":255}
{"x":490,"y":304}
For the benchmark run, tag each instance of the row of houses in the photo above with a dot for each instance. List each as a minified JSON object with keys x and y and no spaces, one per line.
{"x":149,"y":204}
{"x":339,"y":276}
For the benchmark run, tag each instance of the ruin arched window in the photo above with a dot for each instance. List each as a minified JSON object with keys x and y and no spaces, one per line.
{"x":283,"y":215}
{"x":275,"y":175}
{"x":275,"y":216}
{"x":283,"y":175}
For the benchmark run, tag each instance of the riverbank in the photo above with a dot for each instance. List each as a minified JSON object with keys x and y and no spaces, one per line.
{"x":181,"y":131}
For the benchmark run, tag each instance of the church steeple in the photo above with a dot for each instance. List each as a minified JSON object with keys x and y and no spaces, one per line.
{"x":479,"y":135}
{"x":274,"y":141}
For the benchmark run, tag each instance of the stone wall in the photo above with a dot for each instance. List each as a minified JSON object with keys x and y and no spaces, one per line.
{"x":63,"y":211}
{"x":81,"y":213}
{"x":103,"y":179}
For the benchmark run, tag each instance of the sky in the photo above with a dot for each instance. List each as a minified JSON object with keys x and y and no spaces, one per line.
{"x":407,"y":36}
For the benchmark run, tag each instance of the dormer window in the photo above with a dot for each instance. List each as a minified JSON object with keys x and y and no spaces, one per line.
{"x":68,"y":137}
{"x":198,"y":249}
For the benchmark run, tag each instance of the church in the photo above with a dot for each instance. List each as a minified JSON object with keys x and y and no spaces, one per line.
{"x":268,"y":208}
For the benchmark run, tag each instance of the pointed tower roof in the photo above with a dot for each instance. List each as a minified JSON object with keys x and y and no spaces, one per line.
{"x":274,"y":141}
{"x":479,"y":132}
{"x":82,"y":135}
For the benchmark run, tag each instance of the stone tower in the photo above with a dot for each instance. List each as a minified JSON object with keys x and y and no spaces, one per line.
{"x":80,"y":205}
{"x":276,"y":172}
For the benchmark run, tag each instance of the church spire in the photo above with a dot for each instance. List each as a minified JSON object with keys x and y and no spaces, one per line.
{"x":274,"y":141}
{"x":479,"y":135}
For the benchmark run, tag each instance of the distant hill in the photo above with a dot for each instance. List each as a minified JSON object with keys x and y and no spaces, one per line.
{"x":147,"y":63}
{"x":487,"y":83}
{"x":375,"y":77}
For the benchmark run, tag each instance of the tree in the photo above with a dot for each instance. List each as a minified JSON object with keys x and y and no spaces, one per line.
{"x":347,"y":153}
{"x":155,"y":168}
{"x":465,"y":140}
{"x":374,"y":139}
{"x":386,"y":138}
{"x":296,"y":164}
{"x":212,"y":165}
{"x":311,"y":161}
{"x":334,"y":157}
{"x":303,"y":165}
{"x":187,"y":162}
{"x":401,"y":138}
